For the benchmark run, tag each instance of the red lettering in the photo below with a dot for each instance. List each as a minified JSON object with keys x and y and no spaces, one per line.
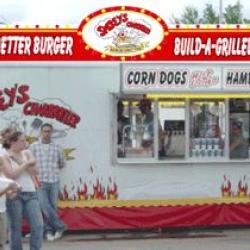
{"x":52,"y":111}
{"x":8,"y":96}
{"x":27,"y":109}
{"x":35,"y":109}
{"x":58,"y":113}
{"x":11,"y":93}
{"x":102,"y":30}
{"x":44,"y":110}
{"x":3,"y":106}
{"x":139,"y":26}
{"x":124,"y":17}
{"x":65,"y":117}
{"x":117,"y":20}
{"x":23,"y":96}
{"x":75,"y":119}
{"x":112,"y":23}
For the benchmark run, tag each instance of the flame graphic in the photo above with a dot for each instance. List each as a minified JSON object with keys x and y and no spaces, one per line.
{"x":226,"y":187}
{"x":242,"y":187}
{"x":87,"y":190}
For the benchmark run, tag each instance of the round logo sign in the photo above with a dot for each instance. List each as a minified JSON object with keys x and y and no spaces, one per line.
{"x":123,"y":31}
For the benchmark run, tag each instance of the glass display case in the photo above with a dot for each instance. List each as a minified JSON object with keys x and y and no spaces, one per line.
{"x":172,"y":140}
{"x":207,"y":129}
{"x":137,"y":133}
{"x":183,"y":130}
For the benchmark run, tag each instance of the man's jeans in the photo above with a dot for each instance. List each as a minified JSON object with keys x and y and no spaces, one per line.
{"x":26,"y":203}
{"x":48,"y":195}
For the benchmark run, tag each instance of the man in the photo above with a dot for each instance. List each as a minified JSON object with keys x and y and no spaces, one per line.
{"x":122,"y":121}
{"x":122,"y":129}
{"x":238,"y":145}
{"x":145,"y":106}
{"x":50,"y":160}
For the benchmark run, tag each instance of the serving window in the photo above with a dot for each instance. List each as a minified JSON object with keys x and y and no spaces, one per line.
{"x":172,"y":139}
{"x":239,"y":110}
{"x":207,"y":129}
{"x":135,"y":123}
{"x":181,"y":130}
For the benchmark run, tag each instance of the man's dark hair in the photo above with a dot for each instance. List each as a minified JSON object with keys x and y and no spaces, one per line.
{"x":46,"y":125}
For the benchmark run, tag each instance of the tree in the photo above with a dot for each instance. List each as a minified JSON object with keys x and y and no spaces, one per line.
{"x":246,"y":20}
{"x":3,"y":20}
{"x":233,"y":13}
{"x":189,"y":16}
{"x":209,"y":15}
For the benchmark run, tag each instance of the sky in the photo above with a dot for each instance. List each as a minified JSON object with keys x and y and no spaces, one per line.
{"x":64,"y":12}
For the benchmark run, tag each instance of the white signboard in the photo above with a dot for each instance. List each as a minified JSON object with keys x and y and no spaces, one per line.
{"x":236,"y":78}
{"x":170,"y":77}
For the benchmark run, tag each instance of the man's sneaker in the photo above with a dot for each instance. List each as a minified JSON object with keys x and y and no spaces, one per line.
{"x":27,"y":235}
{"x":50,"y":237}
{"x":58,"y":235}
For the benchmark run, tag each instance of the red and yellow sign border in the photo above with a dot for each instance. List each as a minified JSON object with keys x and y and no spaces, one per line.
{"x":81,"y":51}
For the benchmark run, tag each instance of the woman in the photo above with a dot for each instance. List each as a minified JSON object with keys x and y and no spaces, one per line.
{"x":9,"y":187}
{"x":20,"y":165}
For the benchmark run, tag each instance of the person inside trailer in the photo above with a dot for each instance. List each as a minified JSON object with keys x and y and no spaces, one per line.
{"x":122,"y":128}
{"x":213,"y":131}
{"x":238,"y":144}
{"x":145,"y":106}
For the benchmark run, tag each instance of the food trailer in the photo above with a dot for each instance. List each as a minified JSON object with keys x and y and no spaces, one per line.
{"x":153,"y":120}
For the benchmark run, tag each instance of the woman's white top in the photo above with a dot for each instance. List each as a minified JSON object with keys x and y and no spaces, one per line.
{"x":2,"y":184}
{"x":24,"y":180}
{"x":2,"y":150}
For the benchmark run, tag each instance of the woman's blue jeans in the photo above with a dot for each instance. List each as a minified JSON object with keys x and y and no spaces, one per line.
{"x":25,"y":204}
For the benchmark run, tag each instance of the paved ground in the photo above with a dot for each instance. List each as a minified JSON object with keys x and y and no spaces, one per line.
{"x":188,"y":240}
